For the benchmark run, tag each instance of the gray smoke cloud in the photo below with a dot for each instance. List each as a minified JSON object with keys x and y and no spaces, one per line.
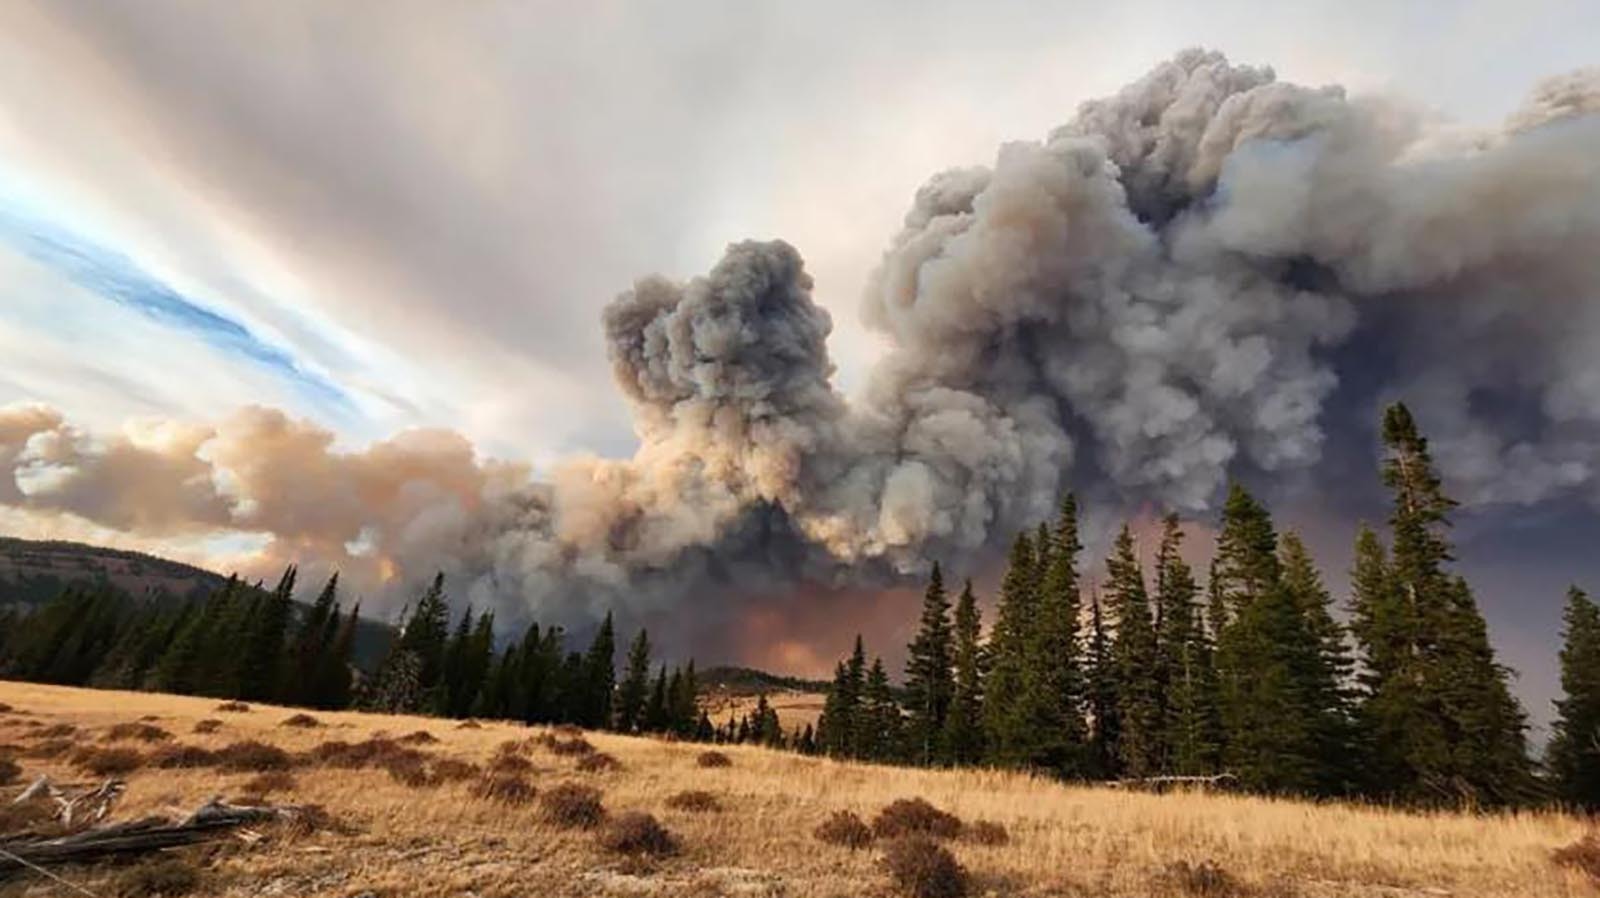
{"x":1177,"y":284}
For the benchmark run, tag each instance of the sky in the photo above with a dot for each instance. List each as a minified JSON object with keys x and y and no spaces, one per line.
{"x":381,"y":217}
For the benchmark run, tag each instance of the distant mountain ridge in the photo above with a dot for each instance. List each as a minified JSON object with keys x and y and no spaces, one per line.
{"x":34,"y":571}
{"x":735,"y":680}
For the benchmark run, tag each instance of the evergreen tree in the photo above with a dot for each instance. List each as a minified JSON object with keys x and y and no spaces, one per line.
{"x":1133,"y":653}
{"x":1190,"y":725}
{"x":426,"y":633}
{"x":683,"y":701}
{"x":1322,"y":669}
{"x":262,"y":659}
{"x":843,"y":726}
{"x":1574,"y":754}
{"x":963,"y":734}
{"x":1100,"y":687}
{"x":929,"y":685}
{"x":333,"y":680}
{"x":1006,"y":714}
{"x":1052,"y":677}
{"x":633,"y":693}
{"x":657,"y":717}
{"x":451,"y":694}
{"x":600,"y":675}
{"x":1442,"y":721}
{"x":880,"y":736}
{"x":312,"y":639}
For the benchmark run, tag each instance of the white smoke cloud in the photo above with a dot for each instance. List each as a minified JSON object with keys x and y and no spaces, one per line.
{"x":1157,"y":295}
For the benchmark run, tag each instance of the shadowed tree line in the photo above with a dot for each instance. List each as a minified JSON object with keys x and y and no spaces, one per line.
{"x":1251,"y":676}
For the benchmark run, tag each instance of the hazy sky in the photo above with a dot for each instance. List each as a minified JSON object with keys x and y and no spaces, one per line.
{"x":380,"y":215}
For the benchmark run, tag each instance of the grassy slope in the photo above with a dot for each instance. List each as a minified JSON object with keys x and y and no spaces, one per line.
{"x":1065,"y":840}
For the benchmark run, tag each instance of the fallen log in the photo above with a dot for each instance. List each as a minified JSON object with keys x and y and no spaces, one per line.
{"x":213,"y":820}
{"x":1145,"y":781}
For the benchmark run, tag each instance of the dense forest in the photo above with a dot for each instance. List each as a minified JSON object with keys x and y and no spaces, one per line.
{"x":1251,"y":678}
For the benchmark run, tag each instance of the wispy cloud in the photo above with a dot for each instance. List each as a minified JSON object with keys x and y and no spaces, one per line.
{"x":111,"y":275}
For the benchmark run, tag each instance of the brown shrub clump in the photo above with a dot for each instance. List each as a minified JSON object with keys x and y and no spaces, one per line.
{"x":1203,"y":880}
{"x":176,"y":756}
{"x":512,"y":747}
{"x":233,"y":707}
{"x":598,"y":762}
{"x":374,"y":752}
{"x":453,"y":770}
{"x":253,"y":756}
{"x":713,"y":759}
{"x":1582,"y":855}
{"x":107,"y":761}
{"x":301,"y":721}
{"x":5,"y":708}
{"x":571,"y":731}
{"x":209,"y":725}
{"x":986,"y":832}
{"x":573,"y":806}
{"x":409,"y":771}
{"x":164,"y":876}
{"x":844,"y":828}
{"x":420,"y":737}
{"x":572,"y":745}
{"x":141,"y":732}
{"x":469,"y":725}
{"x":510,"y":765}
{"x":263,"y":784}
{"x":55,"y":731}
{"x":50,"y":748}
{"x":34,"y":817}
{"x":639,"y":834}
{"x":695,"y":801}
{"x":9,"y":771}
{"x":915,"y":817}
{"x":512,"y":790}
{"x":922,"y":868}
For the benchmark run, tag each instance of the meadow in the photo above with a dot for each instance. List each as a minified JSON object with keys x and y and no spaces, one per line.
{"x":489,"y":809}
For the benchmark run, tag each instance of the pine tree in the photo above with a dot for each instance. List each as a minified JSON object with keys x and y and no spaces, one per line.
{"x":1190,"y":726}
{"x":963,"y":733}
{"x":880,"y":736}
{"x":426,"y":633}
{"x":261,"y":662}
{"x":333,"y":680}
{"x":929,"y":685}
{"x":683,"y":701}
{"x":631,"y":696}
{"x":1322,"y":669}
{"x":1437,"y":708}
{"x":657,"y":717}
{"x":450,"y":696}
{"x":1053,"y":686}
{"x":1100,"y":688}
{"x":1574,"y":753}
{"x":600,"y":676}
{"x":1006,"y":723}
{"x":1133,"y":653}
{"x":311,"y":640}
{"x":843,"y":726}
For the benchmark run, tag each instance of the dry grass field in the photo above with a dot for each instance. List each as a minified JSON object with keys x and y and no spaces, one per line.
{"x":795,"y":709}
{"x":752,"y":835}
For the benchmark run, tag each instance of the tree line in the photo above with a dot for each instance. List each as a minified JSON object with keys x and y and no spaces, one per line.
{"x":1251,"y":676}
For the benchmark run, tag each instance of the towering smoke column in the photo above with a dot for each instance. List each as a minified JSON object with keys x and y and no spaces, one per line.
{"x":1174,"y":287}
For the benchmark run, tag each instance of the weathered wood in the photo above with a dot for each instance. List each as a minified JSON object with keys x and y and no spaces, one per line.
{"x":1211,"y":780}
{"x":213,"y":820}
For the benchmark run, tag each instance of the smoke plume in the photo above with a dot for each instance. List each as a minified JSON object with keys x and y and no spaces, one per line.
{"x":1180,"y":284}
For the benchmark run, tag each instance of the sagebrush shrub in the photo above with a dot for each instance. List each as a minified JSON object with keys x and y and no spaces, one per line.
{"x":301,"y":721}
{"x":639,"y":834}
{"x":598,"y":762}
{"x":9,"y":771}
{"x":233,"y":707}
{"x":167,"y":875}
{"x":107,"y":761}
{"x":140,"y":732}
{"x":420,"y":737}
{"x":844,"y":828}
{"x":209,"y":725}
{"x":922,"y":868}
{"x":453,"y":770}
{"x":511,"y":790}
{"x":250,"y":755}
{"x":179,"y":756}
{"x":572,"y":805}
{"x":694,"y":800}
{"x":915,"y":817}
{"x":713,"y":759}
{"x":1582,"y":855}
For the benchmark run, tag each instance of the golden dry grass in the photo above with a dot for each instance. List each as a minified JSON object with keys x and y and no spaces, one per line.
{"x":795,"y":709}
{"x":1063,"y":841}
